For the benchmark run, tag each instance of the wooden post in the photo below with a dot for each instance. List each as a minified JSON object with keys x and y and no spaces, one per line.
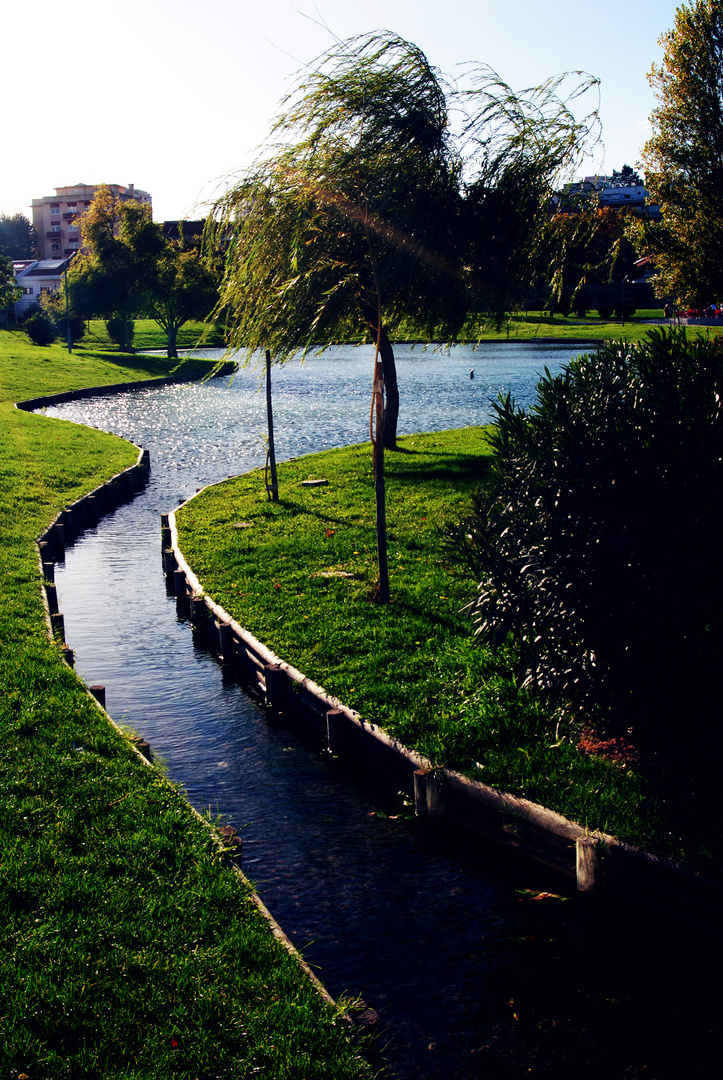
{"x":58,"y":541}
{"x":165,"y":538}
{"x":270,"y":422}
{"x":179,"y":584}
{"x":51,"y":595}
{"x":428,"y":795}
{"x":143,"y":746}
{"x":225,"y":641}
{"x":198,"y":611}
{"x":587,"y":865}
{"x":276,"y":681}
{"x":98,"y":693}
{"x":335,"y":731}
{"x":169,"y":562}
{"x":49,"y":571}
{"x":232,"y":843}
{"x":58,"y":626}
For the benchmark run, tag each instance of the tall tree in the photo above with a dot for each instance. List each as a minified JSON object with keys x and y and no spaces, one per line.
{"x":684,"y":157}
{"x":18,"y":237}
{"x":350,"y":225}
{"x":517,"y":149}
{"x":104,"y":279}
{"x":368,"y":212}
{"x":130,"y":270}
{"x":9,"y":288}
{"x":173,"y":283}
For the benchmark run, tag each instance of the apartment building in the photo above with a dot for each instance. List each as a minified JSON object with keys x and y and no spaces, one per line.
{"x":56,"y":217}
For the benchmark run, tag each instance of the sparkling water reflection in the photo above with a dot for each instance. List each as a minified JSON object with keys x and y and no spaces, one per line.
{"x":430,"y":939}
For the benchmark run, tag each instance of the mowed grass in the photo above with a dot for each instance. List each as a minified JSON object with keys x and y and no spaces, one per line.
{"x":127,"y":947}
{"x":539,"y":325}
{"x":301,"y":574}
{"x":149,"y":335}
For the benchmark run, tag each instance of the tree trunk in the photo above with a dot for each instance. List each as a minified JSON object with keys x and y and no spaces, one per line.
{"x":389,"y":374}
{"x":270,"y":421}
{"x":171,"y":339}
{"x":379,"y":487}
{"x":391,"y":392}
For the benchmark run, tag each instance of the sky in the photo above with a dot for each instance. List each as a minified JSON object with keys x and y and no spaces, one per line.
{"x":176,"y":96}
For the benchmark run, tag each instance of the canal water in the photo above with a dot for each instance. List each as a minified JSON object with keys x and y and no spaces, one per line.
{"x":478,"y":966}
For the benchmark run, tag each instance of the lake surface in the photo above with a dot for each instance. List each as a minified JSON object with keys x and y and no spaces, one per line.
{"x":471,"y":975}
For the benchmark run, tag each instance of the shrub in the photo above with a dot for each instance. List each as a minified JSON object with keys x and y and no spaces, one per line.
{"x":32,"y":309}
{"x":121,"y":331}
{"x":40,"y":329}
{"x":597,"y":541}
{"x":605,"y":311}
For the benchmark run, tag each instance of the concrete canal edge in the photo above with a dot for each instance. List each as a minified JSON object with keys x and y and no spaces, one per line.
{"x":100,"y":391}
{"x":598,"y":862}
{"x":84,"y":513}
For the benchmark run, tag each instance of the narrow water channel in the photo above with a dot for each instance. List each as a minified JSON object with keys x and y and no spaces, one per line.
{"x":478,"y":966}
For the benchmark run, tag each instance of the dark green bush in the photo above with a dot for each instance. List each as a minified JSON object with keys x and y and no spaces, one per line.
{"x":597,"y":542}
{"x":121,"y":332}
{"x":40,"y":329}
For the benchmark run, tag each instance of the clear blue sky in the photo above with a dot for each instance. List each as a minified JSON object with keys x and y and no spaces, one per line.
{"x":174,"y":95}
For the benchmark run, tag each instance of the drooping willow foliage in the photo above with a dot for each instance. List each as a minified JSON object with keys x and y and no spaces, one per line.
{"x":368,"y":212}
{"x":387,"y":193}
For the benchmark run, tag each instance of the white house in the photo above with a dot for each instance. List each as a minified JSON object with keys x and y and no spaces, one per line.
{"x":36,"y":276}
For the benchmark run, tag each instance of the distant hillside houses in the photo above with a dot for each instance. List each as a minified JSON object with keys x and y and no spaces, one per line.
{"x":621,"y":191}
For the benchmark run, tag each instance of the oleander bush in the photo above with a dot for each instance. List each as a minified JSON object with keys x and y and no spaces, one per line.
{"x":596,"y":541}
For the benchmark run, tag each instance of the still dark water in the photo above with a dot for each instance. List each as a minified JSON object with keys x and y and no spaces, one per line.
{"x":472,"y":972}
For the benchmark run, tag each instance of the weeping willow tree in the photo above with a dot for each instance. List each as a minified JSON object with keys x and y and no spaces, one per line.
{"x":518,"y":148}
{"x":366,"y":210}
{"x":351,"y":223}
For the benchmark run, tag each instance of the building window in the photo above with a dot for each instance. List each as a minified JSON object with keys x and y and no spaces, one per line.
{"x":54,"y":210}
{"x":73,"y":227}
{"x":55,"y":228}
{"x":72,"y":208}
{"x":29,"y":291}
{"x":73,"y":241}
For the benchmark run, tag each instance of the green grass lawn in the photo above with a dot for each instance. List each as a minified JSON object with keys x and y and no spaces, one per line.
{"x":300,"y":575}
{"x":128,"y":949}
{"x":538,"y":325}
{"x":149,"y":335}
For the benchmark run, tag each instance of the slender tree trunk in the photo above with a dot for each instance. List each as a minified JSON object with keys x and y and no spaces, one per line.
{"x":171,"y":339}
{"x":270,"y":421}
{"x":391,"y":391}
{"x":389,"y":374}
{"x":379,"y":487}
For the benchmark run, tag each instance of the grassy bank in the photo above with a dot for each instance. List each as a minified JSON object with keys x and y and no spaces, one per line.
{"x":128,"y":948}
{"x":300,"y":576}
{"x":538,"y":325}
{"x":149,"y":335}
